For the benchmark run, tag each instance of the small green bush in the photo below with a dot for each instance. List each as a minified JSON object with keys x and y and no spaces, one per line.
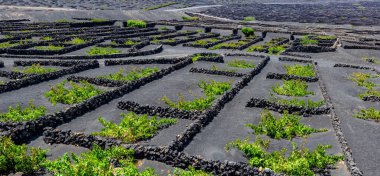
{"x":131,"y":42}
{"x":362,"y":79}
{"x":200,"y":103}
{"x":306,"y":41}
{"x":76,"y":41}
{"x":47,"y":38}
{"x":371,"y":59}
{"x":171,"y":40}
{"x":132,"y":75}
{"x":190,"y":172}
{"x":288,"y":126}
{"x":370,"y":93}
{"x":98,"y":162}
{"x":241,"y":64}
{"x":197,"y":56}
{"x":370,"y":113}
{"x":326,"y":37}
{"x":297,"y":162}
{"x":258,"y":48}
{"x":216,"y":68}
{"x":211,"y":90}
{"x":205,"y":42}
{"x":133,"y":127}
{"x":270,"y":46}
{"x":277,"y":49}
{"x":247,"y":31}
{"x":18,"y":114}
{"x":36,"y":69}
{"x":136,"y":23}
{"x":214,"y":88}
{"x":102,"y":51}
{"x":7,"y":44}
{"x":77,"y":93}
{"x":98,"y":20}
{"x":49,"y":47}
{"x":19,"y":158}
{"x":298,"y":102}
{"x":249,"y":18}
{"x":188,"y":18}
{"x":230,"y":45}
{"x":300,"y":70}
{"x":292,"y":88}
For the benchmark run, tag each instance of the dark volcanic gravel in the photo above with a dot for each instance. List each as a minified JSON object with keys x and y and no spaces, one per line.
{"x":363,"y":13}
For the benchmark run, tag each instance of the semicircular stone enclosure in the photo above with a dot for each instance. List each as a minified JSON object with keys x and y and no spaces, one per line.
{"x":188,"y":97}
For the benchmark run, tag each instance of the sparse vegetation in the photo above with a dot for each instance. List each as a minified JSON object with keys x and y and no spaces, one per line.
{"x":211,"y":90}
{"x":19,"y":158}
{"x":258,"y":48}
{"x":77,"y":93}
{"x":189,"y":18}
{"x":216,"y":68}
{"x":199,"y":103}
{"x":241,"y":63}
{"x":268,"y":45}
{"x":133,"y":127}
{"x":362,"y":79}
{"x":36,"y":69}
{"x":307,"y":41}
{"x":288,"y":126}
{"x":63,"y":20}
{"x":298,"y":102}
{"x":326,"y":37}
{"x":76,"y":41}
{"x":189,"y":172}
{"x":8,"y":44}
{"x":103,"y":51}
{"x":131,"y":42}
{"x":248,"y":32}
{"x":249,"y":18}
{"x":292,"y":88}
{"x":98,"y":162}
{"x":132,"y":75}
{"x":136,"y":23}
{"x":205,"y":42}
{"x":370,"y":93}
{"x":371,"y":59}
{"x":229,"y":45}
{"x":370,"y":113}
{"x":171,"y":40}
{"x":98,"y":20}
{"x":19,"y":114}
{"x":300,"y":161}
{"x":300,"y":70}
{"x":277,"y":49}
{"x":214,"y":88}
{"x":160,"y":6}
{"x":197,"y":56}
{"x":47,"y":38}
{"x":49,"y":47}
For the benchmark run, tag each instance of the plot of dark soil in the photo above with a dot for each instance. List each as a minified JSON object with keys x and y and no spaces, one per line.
{"x":363,"y":13}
